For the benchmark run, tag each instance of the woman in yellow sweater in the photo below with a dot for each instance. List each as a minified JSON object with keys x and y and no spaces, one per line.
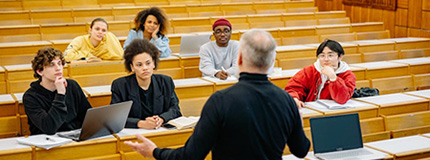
{"x":98,"y":44}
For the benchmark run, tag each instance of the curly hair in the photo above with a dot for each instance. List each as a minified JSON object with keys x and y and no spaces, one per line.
{"x":158,"y":13}
{"x":43,"y":57}
{"x":140,"y":46}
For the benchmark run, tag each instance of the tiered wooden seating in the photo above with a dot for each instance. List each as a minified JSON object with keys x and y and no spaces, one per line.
{"x":411,"y":147}
{"x":186,"y":25}
{"x":293,"y":63}
{"x":394,"y":84}
{"x":416,"y":65}
{"x":408,"y":124}
{"x":373,"y":129}
{"x":192,"y":106}
{"x":243,"y":8}
{"x":422,"y":81}
{"x":410,"y":43}
{"x":380,"y":56}
{"x":98,"y":95}
{"x":360,"y":73}
{"x":193,"y":88}
{"x":24,"y":127}
{"x":373,"y":35}
{"x":343,"y":37}
{"x":14,"y":17}
{"x":51,"y":16}
{"x":3,"y":88}
{"x":329,"y":21}
{"x":63,"y":31}
{"x":382,"y":69}
{"x":84,"y":15}
{"x":398,"y":103}
{"x":270,"y":7}
{"x":282,"y":80}
{"x":414,"y":53}
{"x":19,"y":33}
{"x":367,"y":27}
{"x":362,"y":83}
{"x":204,"y":10}
{"x":265,"y":21}
{"x":9,"y":119}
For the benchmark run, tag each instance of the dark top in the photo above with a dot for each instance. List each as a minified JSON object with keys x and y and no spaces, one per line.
{"x":49,"y":112}
{"x":147,"y":98}
{"x":165,"y":101}
{"x":253,"y":119}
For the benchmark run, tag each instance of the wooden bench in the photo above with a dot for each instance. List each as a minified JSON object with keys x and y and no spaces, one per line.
{"x":393,"y":84}
{"x":373,"y":129}
{"x":408,"y":124}
{"x":398,"y":103}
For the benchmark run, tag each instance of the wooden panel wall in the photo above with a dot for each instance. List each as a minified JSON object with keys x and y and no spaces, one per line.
{"x":411,"y":19}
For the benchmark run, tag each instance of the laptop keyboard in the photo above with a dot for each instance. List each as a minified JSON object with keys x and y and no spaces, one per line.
{"x":344,"y":154}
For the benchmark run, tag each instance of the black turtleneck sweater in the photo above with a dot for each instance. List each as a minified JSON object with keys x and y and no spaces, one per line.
{"x":49,"y":112}
{"x":253,"y":119}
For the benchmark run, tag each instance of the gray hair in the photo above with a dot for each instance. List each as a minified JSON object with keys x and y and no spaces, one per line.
{"x":258,"y":47}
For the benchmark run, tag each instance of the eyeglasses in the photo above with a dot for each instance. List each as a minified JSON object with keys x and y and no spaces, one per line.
{"x":218,"y":32}
{"x":329,"y":56}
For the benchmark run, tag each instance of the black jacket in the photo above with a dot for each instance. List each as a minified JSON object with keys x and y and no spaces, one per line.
{"x":253,"y":119}
{"x":165,"y":99}
{"x":49,"y":112}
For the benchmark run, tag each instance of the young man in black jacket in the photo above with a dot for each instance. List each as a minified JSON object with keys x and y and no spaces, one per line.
{"x":53,"y":103}
{"x":253,"y":119}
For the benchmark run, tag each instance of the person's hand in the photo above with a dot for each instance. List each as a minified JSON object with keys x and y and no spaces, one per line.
{"x":154,"y":34}
{"x":329,"y":72}
{"x":222,"y":75}
{"x":159,"y":121}
{"x":145,"y":148}
{"x":60,"y":85}
{"x":148,"y":123}
{"x":299,"y":103}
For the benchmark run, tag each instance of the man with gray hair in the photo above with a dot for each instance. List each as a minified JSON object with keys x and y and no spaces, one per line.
{"x":253,"y":119}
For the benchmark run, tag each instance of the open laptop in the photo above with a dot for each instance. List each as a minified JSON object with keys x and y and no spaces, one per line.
{"x":190,"y":44}
{"x":339,"y":137}
{"x":101,"y":121}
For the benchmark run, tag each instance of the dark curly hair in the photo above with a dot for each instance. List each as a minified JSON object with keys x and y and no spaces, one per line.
{"x":140,"y":46}
{"x":43,"y":57}
{"x":140,"y":19}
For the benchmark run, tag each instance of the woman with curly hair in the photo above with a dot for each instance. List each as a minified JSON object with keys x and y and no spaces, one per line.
{"x":151,"y":24}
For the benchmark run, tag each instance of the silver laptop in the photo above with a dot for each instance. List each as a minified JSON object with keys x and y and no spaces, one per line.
{"x":339,"y":137}
{"x":101,"y":121}
{"x":190,"y":44}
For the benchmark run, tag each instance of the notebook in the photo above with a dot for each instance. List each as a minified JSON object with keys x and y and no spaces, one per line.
{"x":190,"y":44}
{"x":101,"y":121}
{"x":339,"y":137}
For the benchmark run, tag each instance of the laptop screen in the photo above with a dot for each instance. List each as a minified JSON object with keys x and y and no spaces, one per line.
{"x":336,"y":133}
{"x":190,"y":44}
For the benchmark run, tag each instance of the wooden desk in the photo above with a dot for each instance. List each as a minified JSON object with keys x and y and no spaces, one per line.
{"x":192,"y":106}
{"x":7,"y":105}
{"x":22,"y":48}
{"x":9,"y":119}
{"x":294,"y":51}
{"x":191,"y":66}
{"x":411,"y":147}
{"x":25,"y":128}
{"x":360,"y":73}
{"x":408,"y":124}
{"x":169,"y":62}
{"x":91,"y":149}
{"x":383,"y":69}
{"x":3,"y":88}
{"x":77,"y":69}
{"x":365,"y":110}
{"x":308,"y":113}
{"x":416,"y":65}
{"x":398,"y":103}
{"x":161,"y":137}
{"x":365,"y":46}
{"x":311,"y":156}
{"x":193,"y":88}
{"x":410,"y":43}
{"x":333,"y":29}
{"x":367,"y":27}
{"x":98,"y":95}
{"x":373,"y":129}
{"x":61,"y":44}
{"x":422,"y":93}
{"x":11,"y":149}
{"x":282,"y":80}
{"x":221,"y":84}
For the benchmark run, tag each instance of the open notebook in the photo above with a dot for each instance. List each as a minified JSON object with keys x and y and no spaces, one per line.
{"x":184,"y":122}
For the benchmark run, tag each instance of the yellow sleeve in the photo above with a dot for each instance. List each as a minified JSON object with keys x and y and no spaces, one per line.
{"x":115,"y":51}
{"x":76,"y":49}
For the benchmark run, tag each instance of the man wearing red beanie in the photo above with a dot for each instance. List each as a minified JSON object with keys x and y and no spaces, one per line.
{"x":218,"y":59}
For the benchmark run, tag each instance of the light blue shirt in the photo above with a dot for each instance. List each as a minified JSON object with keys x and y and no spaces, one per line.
{"x":162,"y":43}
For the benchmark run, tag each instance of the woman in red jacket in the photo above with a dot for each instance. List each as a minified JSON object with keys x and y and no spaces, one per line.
{"x":328,"y":78}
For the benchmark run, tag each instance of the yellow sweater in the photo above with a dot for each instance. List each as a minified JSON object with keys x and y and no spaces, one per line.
{"x":108,"y":49}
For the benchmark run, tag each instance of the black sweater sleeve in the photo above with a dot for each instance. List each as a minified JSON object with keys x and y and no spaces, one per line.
{"x":297,"y":142}
{"x":46,"y":121}
{"x":202,"y":139}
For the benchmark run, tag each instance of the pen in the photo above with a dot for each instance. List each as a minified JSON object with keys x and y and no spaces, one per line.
{"x":50,"y":139}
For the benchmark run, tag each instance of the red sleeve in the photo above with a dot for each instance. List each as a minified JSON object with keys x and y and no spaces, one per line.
{"x":296,"y":87}
{"x":342,"y":88}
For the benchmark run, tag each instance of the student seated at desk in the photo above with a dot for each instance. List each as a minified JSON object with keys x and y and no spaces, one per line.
{"x":218,"y":58}
{"x":99,"y":44}
{"x":328,"y":78}
{"x":53,"y":103}
{"x":151,"y":24}
{"x":153,"y":95}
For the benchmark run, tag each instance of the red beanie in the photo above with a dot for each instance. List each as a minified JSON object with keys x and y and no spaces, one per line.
{"x":221,"y":22}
